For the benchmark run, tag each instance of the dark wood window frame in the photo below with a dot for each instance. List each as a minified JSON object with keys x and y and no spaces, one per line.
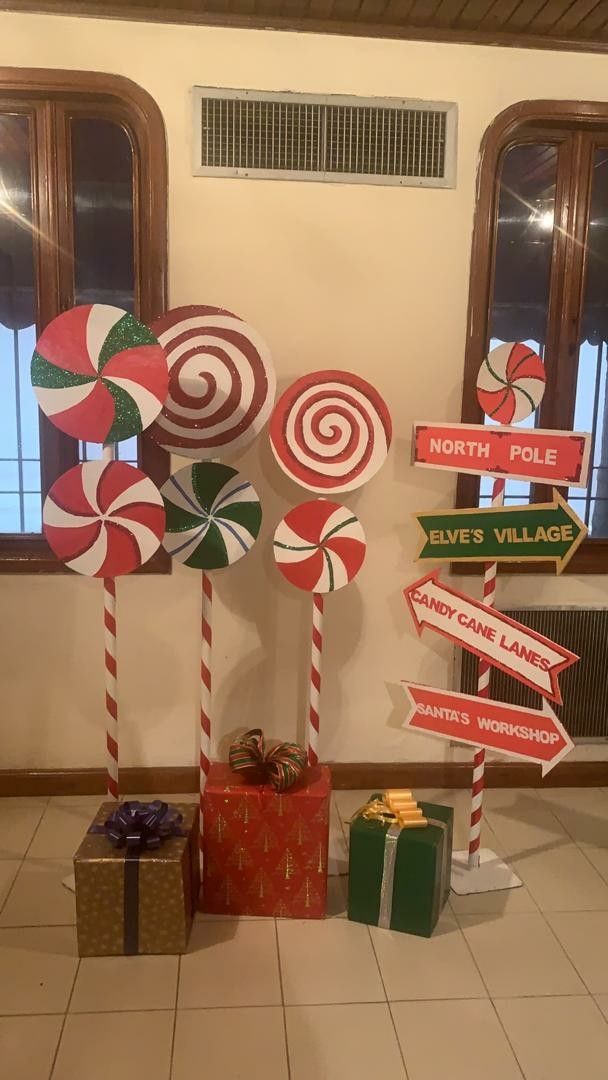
{"x":527,"y":121}
{"x":113,"y":97}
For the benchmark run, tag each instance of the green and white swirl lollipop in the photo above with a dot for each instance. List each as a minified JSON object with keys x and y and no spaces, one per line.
{"x":213,"y":515}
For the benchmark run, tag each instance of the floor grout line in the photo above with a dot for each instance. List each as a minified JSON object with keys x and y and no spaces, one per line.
{"x":284,"y":1014}
{"x":177,"y":981}
{"x":492,"y":1003}
{"x":388,"y":1004}
{"x":23,"y":858}
{"x":577,"y":844}
{"x":65,"y":1018}
{"x":563,"y":949}
{"x":601,"y":1012}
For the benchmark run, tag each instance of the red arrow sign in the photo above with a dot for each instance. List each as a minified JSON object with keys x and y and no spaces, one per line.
{"x":513,"y":731}
{"x":506,"y":644}
{"x":542,"y":456}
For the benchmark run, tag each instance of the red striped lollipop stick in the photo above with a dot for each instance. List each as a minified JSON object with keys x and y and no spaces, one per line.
{"x":315,"y":679}
{"x":483,"y":691}
{"x":319,"y":546}
{"x":109,"y":618}
{"x":205,"y":751}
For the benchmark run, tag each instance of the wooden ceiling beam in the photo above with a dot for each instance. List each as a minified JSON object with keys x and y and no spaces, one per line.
{"x":574,"y":16}
{"x":550,"y":13}
{"x":594,"y":22}
{"x":524,"y":14}
{"x":365,"y":18}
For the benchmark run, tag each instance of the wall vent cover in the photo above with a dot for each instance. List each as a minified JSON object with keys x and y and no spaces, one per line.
{"x":246,"y":133}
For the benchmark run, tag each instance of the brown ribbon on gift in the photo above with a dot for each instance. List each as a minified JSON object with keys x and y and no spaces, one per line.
{"x":379,"y":810}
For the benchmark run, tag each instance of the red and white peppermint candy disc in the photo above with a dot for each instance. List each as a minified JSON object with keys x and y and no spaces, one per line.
{"x":330,"y":431}
{"x":319,"y":546}
{"x":104,"y":518}
{"x":511,"y":383}
{"x":99,"y":374}
{"x":221,"y":382}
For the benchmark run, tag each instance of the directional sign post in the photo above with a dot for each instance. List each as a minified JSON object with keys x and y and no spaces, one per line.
{"x":541,"y":456}
{"x":540,"y":532}
{"x":490,"y":634}
{"x":513,"y":731}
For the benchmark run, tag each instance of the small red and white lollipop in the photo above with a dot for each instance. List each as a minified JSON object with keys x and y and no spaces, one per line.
{"x":221,"y":382}
{"x":330,"y":431}
{"x":99,"y":374}
{"x":511,"y":383}
{"x":104,"y":518}
{"x":319,"y":546}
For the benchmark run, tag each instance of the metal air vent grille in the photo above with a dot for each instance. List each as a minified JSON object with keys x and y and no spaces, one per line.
{"x":299,"y":137}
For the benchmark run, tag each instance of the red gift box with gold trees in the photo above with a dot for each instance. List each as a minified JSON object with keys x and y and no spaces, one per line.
{"x":265,"y":851}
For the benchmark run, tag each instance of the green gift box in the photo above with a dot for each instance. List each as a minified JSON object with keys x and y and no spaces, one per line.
{"x":399,"y":878}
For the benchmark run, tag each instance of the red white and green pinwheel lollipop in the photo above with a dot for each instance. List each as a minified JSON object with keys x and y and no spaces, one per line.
{"x":99,"y":374}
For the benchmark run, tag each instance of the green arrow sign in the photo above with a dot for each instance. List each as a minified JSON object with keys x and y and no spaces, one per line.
{"x":540,"y":532}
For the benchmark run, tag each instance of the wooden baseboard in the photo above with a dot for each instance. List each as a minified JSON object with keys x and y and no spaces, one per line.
{"x":365,"y":775}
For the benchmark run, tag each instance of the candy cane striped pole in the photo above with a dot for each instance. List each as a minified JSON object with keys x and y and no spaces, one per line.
{"x":109,"y":620}
{"x":315,"y":678}
{"x":205,"y":751}
{"x":483,"y":691}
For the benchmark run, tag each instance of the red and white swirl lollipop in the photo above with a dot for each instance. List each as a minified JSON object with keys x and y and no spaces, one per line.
{"x":221,"y":382}
{"x":104,"y":518}
{"x":511,"y":383}
{"x":319,"y":546}
{"x":99,"y":374}
{"x":330,"y":431}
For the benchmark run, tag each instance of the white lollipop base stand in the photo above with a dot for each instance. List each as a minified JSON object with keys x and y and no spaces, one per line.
{"x":491,"y":875}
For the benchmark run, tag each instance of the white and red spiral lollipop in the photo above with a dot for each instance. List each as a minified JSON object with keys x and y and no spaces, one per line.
{"x":511,"y":383}
{"x":104,"y":518}
{"x":319,"y":546}
{"x":330,"y":431}
{"x":221,"y":382}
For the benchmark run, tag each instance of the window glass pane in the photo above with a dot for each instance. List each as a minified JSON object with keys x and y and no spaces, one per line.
{"x":102,"y":182}
{"x":102,"y":185}
{"x":127,"y":451}
{"x":591,"y":388}
{"x":522,"y":270}
{"x":19,"y":432}
{"x":524,"y":243}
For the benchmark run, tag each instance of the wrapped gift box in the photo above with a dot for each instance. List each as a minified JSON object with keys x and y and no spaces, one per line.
{"x":265,"y":853}
{"x":404,"y":886}
{"x":130,"y":901}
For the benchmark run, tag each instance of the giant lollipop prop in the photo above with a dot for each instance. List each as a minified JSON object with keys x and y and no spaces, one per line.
{"x":221,"y":392}
{"x":213,"y":519}
{"x":101,"y":376}
{"x":330,"y":432}
{"x":510,"y":387}
{"x":103,"y":519}
{"x":319,"y":547}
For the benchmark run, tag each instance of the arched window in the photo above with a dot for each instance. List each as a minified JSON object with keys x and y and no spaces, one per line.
{"x":82,"y":219}
{"x":539,"y":274}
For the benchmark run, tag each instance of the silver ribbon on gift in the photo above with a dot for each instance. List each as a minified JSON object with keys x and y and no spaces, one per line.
{"x":388,"y":869}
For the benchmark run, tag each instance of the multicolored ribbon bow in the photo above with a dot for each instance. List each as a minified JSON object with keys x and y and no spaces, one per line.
{"x":142,"y":825}
{"x":280,"y":767}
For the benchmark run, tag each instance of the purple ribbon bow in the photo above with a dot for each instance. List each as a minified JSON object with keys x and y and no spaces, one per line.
{"x":144,"y":826}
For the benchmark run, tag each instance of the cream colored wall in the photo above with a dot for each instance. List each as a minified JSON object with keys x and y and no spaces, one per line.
{"x":368,"y":278}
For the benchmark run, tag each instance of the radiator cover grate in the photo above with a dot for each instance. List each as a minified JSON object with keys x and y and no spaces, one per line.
{"x":584,"y":686}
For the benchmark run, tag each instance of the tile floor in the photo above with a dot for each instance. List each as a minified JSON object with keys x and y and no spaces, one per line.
{"x":512,"y":985}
